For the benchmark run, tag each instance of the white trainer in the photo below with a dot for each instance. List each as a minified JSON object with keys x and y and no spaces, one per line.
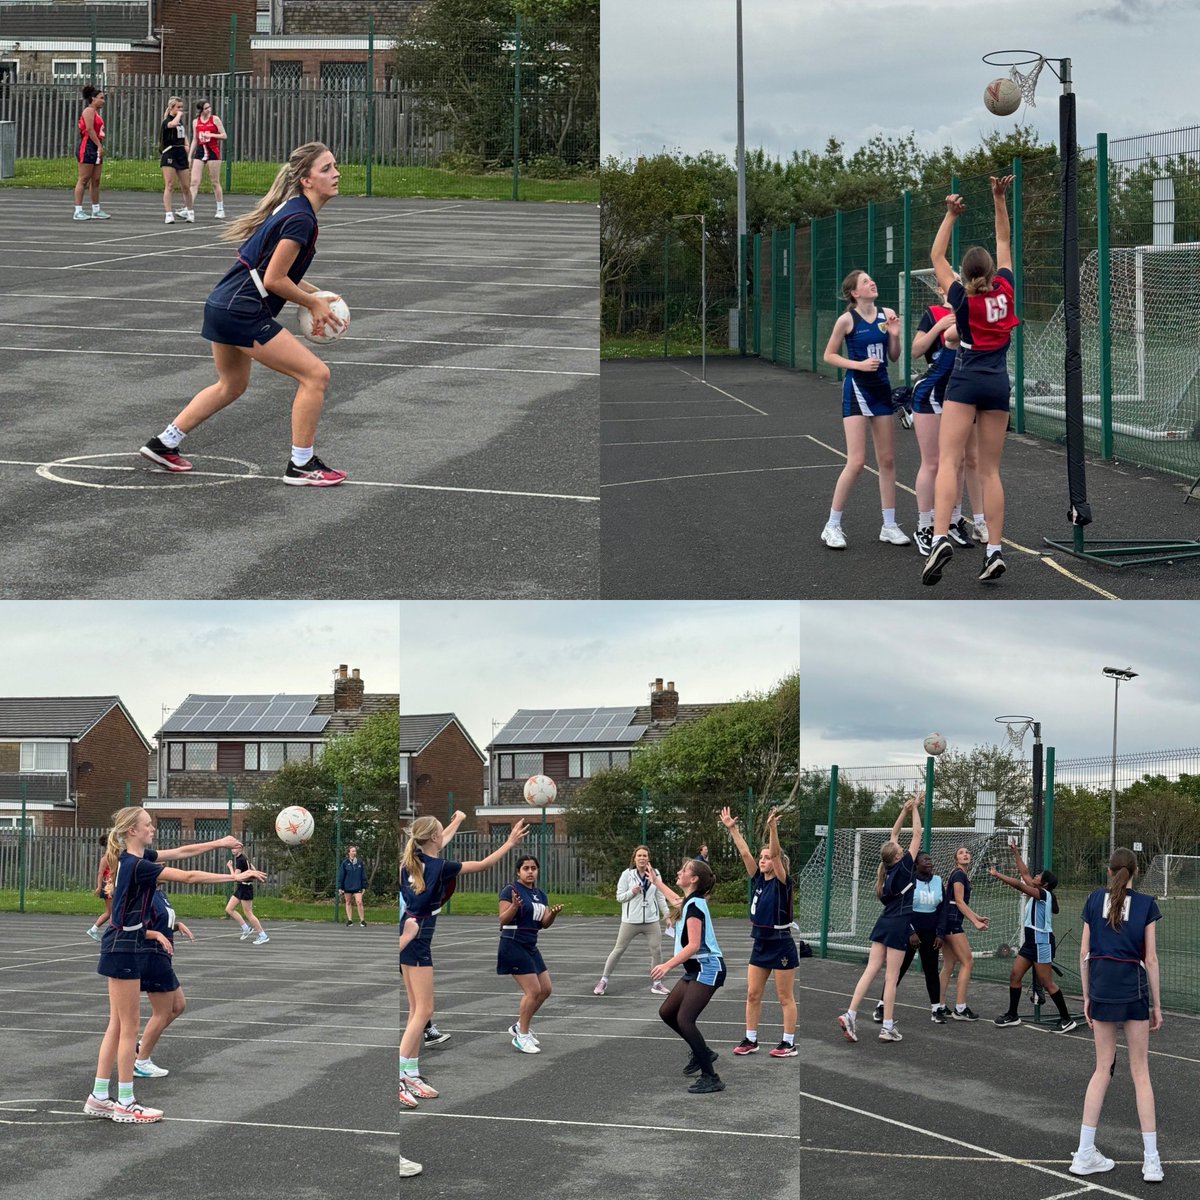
{"x":146,"y":1068}
{"x":979,"y":531}
{"x":1090,"y":1162}
{"x":894,"y":535}
{"x":1152,"y":1171}
{"x":525,"y":1044}
{"x":833,"y":537}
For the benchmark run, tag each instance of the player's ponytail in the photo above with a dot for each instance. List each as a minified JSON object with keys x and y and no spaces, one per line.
{"x":978,"y":270}
{"x":848,"y":286}
{"x":174,"y":100}
{"x":1122,"y":867}
{"x":123,"y":821}
{"x":421,"y":830}
{"x":287,"y":186}
{"x":89,"y":93}
{"x":889,"y":854}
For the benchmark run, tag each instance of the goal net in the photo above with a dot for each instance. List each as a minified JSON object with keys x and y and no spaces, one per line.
{"x":854,"y":907}
{"x":924,"y":293}
{"x":1155,"y":353}
{"x":1173,"y":877}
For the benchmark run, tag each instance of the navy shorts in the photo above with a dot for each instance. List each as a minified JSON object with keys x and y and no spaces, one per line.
{"x":927,"y":397}
{"x":243,"y":891}
{"x":174,"y":156}
{"x":872,"y":399}
{"x":89,"y":153}
{"x":710,"y":971}
{"x":418,"y":952}
{"x":241,"y":325}
{"x":158,"y":974}
{"x":775,"y":954}
{"x":1119,"y":991}
{"x":1033,"y":952}
{"x":988,"y":391}
{"x":518,"y":958}
{"x":954,"y":922}
{"x":892,"y":932}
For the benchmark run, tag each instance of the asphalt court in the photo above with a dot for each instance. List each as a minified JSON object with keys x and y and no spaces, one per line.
{"x":462,"y":404}
{"x":719,"y":488}
{"x":283,"y":1075}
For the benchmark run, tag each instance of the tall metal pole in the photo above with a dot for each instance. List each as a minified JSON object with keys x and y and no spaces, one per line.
{"x":1112,"y":788}
{"x":703,"y":300}
{"x":741,"y":176}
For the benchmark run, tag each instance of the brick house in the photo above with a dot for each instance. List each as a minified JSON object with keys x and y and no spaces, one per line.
{"x":314,"y":40}
{"x":439,"y":760}
{"x":571,"y":745}
{"x":133,"y":37}
{"x":77,"y":758}
{"x":211,"y":745}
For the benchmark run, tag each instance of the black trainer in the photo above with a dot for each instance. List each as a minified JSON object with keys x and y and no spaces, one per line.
{"x":877,"y":1015}
{"x":923,"y":540}
{"x":993,"y":568}
{"x":938,"y":1016}
{"x":1065,"y":1025}
{"x":707,"y":1083}
{"x":965,"y":1015}
{"x":1007,"y":1019}
{"x":693,"y":1066}
{"x":941,"y":553}
{"x":960,"y":533}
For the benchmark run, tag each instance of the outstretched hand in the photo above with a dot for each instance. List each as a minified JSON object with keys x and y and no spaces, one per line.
{"x":728,"y":819}
{"x":1000,"y":184}
{"x":955,"y":205}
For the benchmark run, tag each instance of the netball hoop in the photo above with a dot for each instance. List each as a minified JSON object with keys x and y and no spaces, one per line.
{"x":1016,"y":728}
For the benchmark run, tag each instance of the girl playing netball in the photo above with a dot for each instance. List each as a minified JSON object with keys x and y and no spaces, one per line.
{"x":956,"y":949}
{"x":771,"y":922}
{"x":243,"y":895}
{"x":889,"y":938}
{"x":160,"y":983}
{"x":207,"y":135}
{"x":1118,"y":971}
{"x":136,"y":873}
{"x":697,"y":951}
{"x":409,"y":928}
{"x":173,"y":141}
{"x":278,"y":241}
{"x":1038,"y":948}
{"x":427,"y":881}
{"x":871,"y":337}
{"x":91,"y":154}
{"x":642,"y":907}
{"x":978,"y":392}
{"x":524,"y":912}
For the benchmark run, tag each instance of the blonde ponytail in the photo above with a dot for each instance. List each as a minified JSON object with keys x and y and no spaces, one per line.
{"x":421,"y":830}
{"x":287,"y":186}
{"x":123,"y":821}
{"x":889,"y":854}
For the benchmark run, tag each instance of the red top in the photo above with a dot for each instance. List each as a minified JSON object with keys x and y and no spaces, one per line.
{"x":985,"y":322}
{"x":99,"y":126}
{"x":214,"y":147}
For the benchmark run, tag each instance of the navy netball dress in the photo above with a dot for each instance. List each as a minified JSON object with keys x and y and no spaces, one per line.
{"x":441,"y":878}
{"x":771,"y":924}
{"x":123,"y":946}
{"x":985,"y":324}
{"x":930,"y":390}
{"x":867,"y":393}
{"x":954,"y":914}
{"x":894,"y":924}
{"x":1117,"y":984}
{"x":519,"y":953}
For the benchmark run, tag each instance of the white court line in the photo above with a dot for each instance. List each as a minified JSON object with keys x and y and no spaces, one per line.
{"x":24,"y":966}
{"x":341,"y":362}
{"x":436,"y":312}
{"x":408,"y":487}
{"x":1063,"y":1195}
{"x":203,"y":1037}
{"x":240,"y":1123}
{"x":641,"y":420}
{"x":763,"y":437}
{"x":348,"y":338}
{"x":714,"y":474}
{"x":684,"y":371}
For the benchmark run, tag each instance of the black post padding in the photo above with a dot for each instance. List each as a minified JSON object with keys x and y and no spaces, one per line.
{"x":1035,"y":843}
{"x":1080,"y":512}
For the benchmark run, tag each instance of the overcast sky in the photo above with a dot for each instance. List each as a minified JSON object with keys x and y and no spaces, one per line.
{"x":816,"y":69}
{"x":485,"y":659}
{"x":876,"y":678}
{"x":154,"y":653}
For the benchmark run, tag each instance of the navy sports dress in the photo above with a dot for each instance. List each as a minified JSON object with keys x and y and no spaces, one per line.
{"x":441,"y":878}
{"x":158,"y":967}
{"x":1118,"y":989}
{"x":985,"y":324}
{"x":930,"y":390}
{"x":867,"y":393}
{"x":123,"y":946}
{"x":771,"y":924}
{"x":519,"y":953}
{"x":894,"y":924}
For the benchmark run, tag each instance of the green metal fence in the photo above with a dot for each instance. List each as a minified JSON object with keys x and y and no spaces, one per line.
{"x":493,"y":113}
{"x":1139,"y":238}
{"x":1156,"y":797}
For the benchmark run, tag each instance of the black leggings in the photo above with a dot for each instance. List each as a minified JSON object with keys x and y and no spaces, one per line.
{"x":929,"y":963}
{"x":680,"y":1011}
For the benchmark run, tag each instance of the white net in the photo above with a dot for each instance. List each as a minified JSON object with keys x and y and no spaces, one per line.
{"x":854,"y":907}
{"x":924,"y":292}
{"x":1172,"y":877}
{"x":1027,"y":79}
{"x":1155,"y":351}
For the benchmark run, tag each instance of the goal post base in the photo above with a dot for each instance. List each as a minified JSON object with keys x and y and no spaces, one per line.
{"x":1126,"y":552}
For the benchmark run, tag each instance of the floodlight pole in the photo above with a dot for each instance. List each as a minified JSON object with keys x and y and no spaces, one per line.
{"x":1117,"y":675}
{"x":703,"y":287}
{"x":741,"y":183}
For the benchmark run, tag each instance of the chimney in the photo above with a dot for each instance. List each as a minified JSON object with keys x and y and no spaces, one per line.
{"x":664,"y":703}
{"x":347,"y":692}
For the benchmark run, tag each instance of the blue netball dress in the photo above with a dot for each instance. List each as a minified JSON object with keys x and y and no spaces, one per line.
{"x":158,"y":969}
{"x":771,"y":924}
{"x":441,"y":878}
{"x":894,"y":924}
{"x":240,"y":311}
{"x":1039,"y":944}
{"x":867,"y":393}
{"x":954,"y":914}
{"x":707,"y":965}
{"x":518,"y":953}
{"x":123,"y":946}
{"x":985,"y":324}
{"x":929,"y":391}
{"x":1118,"y":988}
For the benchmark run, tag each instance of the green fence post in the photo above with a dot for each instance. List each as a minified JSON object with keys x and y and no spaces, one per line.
{"x":871,"y":239}
{"x":839,"y":270}
{"x":370,"y":98}
{"x":758,"y":293}
{"x":792,"y":295}
{"x":516,"y":178}
{"x":1104,"y":288}
{"x":128,"y":793}
{"x":1018,"y":241}
{"x":23,"y":841}
{"x":231,"y":102}
{"x":906,"y":257}
{"x":743,"y":291}
{"x":666,"y":294}
{"x":812,"y":288}
{"x":955,"y":241}
{"x":337,"y":846}
{"x":829,"y":840}
{"x":927,"y":832}
{"x":1048,"y":813}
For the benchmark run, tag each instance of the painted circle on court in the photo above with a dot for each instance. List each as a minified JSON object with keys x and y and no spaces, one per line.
{"x":83,"y":461}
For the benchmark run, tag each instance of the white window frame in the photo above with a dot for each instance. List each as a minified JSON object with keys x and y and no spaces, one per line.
{"x":33,"y":769}
{"x":83,"y":68}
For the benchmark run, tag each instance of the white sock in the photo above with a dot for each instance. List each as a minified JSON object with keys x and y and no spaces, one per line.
{"x":94,"y":929}
{"x":752,"y":1035}
{"x":956,"y":515}
{"x":934,"y":1007}
{"x":888,"y":1024}
{"x":301,"y":455}
{"x":851,"y":1013}
{"x":978,"y":518}
{"x":95,"y":208}
{"x":790,"y":1038}
{"x":926,"y":519}
{"x":171,"y":437}
{"x":1150,"y":1143}
{"x":140,"y":1062}
{"x":993,"y":547}
{"x":79,"y":208}
{"x":835,"y":518}
{"x":960,"y":1008}
{"x":1087,"y":1138}
{"x":245,"y":927}
{"x":889,"y":516}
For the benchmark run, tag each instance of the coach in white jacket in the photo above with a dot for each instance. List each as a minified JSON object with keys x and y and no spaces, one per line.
{"x":642,"y":906}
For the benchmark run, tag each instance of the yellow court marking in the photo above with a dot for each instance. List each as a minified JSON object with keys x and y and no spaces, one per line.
{"x":1042,"y":558}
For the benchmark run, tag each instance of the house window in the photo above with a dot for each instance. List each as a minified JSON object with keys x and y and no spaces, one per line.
{"x":175,"y":756}
{"x":285,"y":71}
{"x":15,"y":823}
{"x":47,"y":757}
{"x":575,"y":765}
{"x":10,"y":69}
{"x":299,"y":752}
{"x":620,"y":758}
{"x":345,"y":76}
{"x":594,"y":761}
{"x":230,"y":757}
{"x":405,"y":762}
{"x":499,"y":833}
{"x":68,"y":69}
{"x":250,"y":757}
{"x":526,"y":764}
{"x":192,"y":756}
{"x":168,"y":833}
{"x":506,"y":766}
{"x":318,"y":751}
{"x":211,"y":829}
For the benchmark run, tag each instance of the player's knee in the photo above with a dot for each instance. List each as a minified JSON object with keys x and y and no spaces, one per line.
{"x":885,"y":461}
{"x":177,"y":1008}
{"x":754,"y":995}
{"x":318,"y":375}
{"x":546,"y":990}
